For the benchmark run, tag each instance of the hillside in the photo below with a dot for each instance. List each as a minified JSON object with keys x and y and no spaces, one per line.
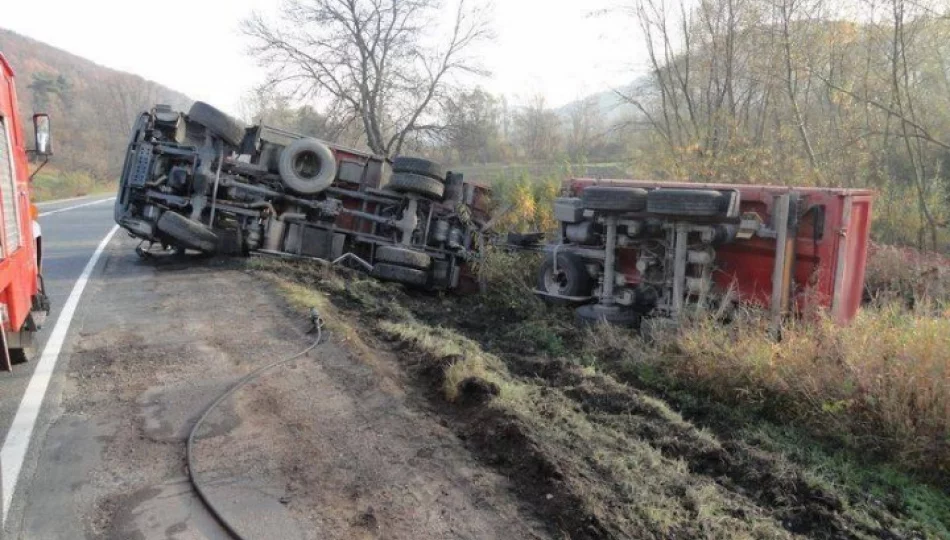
{"x":612,"y":108}
{"x":92,"y":107}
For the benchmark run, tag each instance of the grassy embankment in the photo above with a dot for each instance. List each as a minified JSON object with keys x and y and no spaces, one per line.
{"x":52,"y":184}
{"x":711,"y":431}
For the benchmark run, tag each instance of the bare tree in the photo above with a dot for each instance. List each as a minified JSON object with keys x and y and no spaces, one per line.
{"x":374,"y":56}
{"x":587,"y":128}
{"x":538,"y":129}
{"x":789,"y":14}
{"x":473,"y":125}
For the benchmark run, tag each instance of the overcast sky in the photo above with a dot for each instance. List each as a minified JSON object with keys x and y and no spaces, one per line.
{"x":552,"y":47}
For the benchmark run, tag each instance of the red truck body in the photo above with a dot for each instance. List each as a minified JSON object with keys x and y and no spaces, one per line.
{"x":20,"y":282}
{"x":830,"y":246}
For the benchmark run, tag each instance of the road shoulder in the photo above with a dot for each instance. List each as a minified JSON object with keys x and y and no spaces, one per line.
{"x":328,"y":447}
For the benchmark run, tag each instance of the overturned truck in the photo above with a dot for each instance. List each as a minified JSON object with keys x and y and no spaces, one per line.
{"x":202,"y":181}
{"x":628,"y":250}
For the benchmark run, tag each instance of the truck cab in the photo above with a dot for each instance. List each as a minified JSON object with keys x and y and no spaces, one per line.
{"x":23,"y":302}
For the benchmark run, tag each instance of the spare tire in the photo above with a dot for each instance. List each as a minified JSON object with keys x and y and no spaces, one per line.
{"x":228,"y":129}
{"x":400,"y":274}
{"x":417,"y":184}
{"x":424,"y":167}
{"x":403,"y":257}
{"x":685,"y":202}
{"x":187,"y":233}
{"x":307,"y":166}
{"x":614,"y":199}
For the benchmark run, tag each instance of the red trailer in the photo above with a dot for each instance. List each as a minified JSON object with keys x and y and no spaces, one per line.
{"x":23,"y":304}
{"x":649,"y":248}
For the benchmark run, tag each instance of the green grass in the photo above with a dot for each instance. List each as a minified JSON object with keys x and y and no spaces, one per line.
{"x":52,"y":184}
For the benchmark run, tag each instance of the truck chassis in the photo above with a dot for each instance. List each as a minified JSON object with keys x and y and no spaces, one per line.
{"x":202,"y":181}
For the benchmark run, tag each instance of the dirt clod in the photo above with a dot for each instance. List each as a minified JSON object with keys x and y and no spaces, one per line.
{"x":475,"y":391}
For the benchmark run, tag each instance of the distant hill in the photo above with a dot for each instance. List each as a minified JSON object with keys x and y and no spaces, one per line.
{"x":92,"y":107}
{"x":612,"y":107}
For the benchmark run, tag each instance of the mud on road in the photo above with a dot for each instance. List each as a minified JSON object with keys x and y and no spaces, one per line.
{"x":329,"y":446}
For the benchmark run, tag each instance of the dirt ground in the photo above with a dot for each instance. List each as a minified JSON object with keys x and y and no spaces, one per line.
{"x":592,"y":456}
{"x":330,"y":446}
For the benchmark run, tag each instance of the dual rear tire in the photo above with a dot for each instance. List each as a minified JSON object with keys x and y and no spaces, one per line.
{"x":402,"y":265}
{"x":665,"y":201}
{"x":187,"y":233}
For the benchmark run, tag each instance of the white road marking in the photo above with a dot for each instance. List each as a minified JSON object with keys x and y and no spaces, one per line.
{"x":15,"y":446}
{"x":58,"y":210}
{"x":57,"y":201}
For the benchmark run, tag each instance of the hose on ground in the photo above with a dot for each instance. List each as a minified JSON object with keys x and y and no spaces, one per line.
{"x":189,"y":450}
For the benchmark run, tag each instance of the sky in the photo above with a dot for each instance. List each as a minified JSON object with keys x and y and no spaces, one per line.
{"x":558,"y":48}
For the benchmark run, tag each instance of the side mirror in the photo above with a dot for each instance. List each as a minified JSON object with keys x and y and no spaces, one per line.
{"x":41,"y":133}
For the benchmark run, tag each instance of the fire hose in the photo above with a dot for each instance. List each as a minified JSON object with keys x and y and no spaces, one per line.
{"x":317,"y":328}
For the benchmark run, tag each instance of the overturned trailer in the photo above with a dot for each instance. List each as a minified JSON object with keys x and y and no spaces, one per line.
{"x":203,"y":181}
{"x":629,"y":249}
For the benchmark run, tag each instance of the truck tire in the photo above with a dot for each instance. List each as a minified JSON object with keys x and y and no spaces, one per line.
{"x":422,"y":167}
{"x":228,"y":129}
{"x":401,"y":274}
{"x":417,"y":184}
{"x":571,"y":279}
{"x":591,"y":314}
{"x":20,"y":355}
{"x":187,"y":233}
{"x":685,"y":202}
{"x":403,"y":257}
{"x":614,"y":199}
{"x":307,"y":166}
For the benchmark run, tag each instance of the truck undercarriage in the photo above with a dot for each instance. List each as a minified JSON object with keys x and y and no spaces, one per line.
{"x":629,"y":249}
{"x":202,"y":181}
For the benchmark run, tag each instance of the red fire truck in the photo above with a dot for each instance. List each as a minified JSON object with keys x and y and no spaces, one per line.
{"x":23,"y":302}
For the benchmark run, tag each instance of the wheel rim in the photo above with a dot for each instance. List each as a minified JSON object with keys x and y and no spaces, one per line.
{"x":555,"y":282}
{"x":307,"y":165}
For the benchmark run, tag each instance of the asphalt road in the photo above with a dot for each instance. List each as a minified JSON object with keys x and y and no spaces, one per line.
{"x":72,"y":230}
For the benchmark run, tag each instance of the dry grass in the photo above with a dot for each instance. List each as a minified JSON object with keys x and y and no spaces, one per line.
{"x":882,"y":384}
{"x":907,"y":275}
{"x":598,"y":458}
{"x":51,"y":184}
{"x":465,"y":360}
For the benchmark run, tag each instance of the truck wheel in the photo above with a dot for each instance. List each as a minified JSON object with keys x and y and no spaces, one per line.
{"x":417,"y":184}
{"x":230,"y":130}
{"x":685,"y":202}
{"x":614,"y":199}
{"x":422,"y":167}
{"x":591,"y":314}
{"x":571,"y":278}
{"x":403,"y":257}
{"x":307,"y":166}
{"x":400,"y":274}
{"x":187,"y":233}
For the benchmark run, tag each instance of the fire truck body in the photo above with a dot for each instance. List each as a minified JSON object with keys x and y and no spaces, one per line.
{"x":22,"y":301}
